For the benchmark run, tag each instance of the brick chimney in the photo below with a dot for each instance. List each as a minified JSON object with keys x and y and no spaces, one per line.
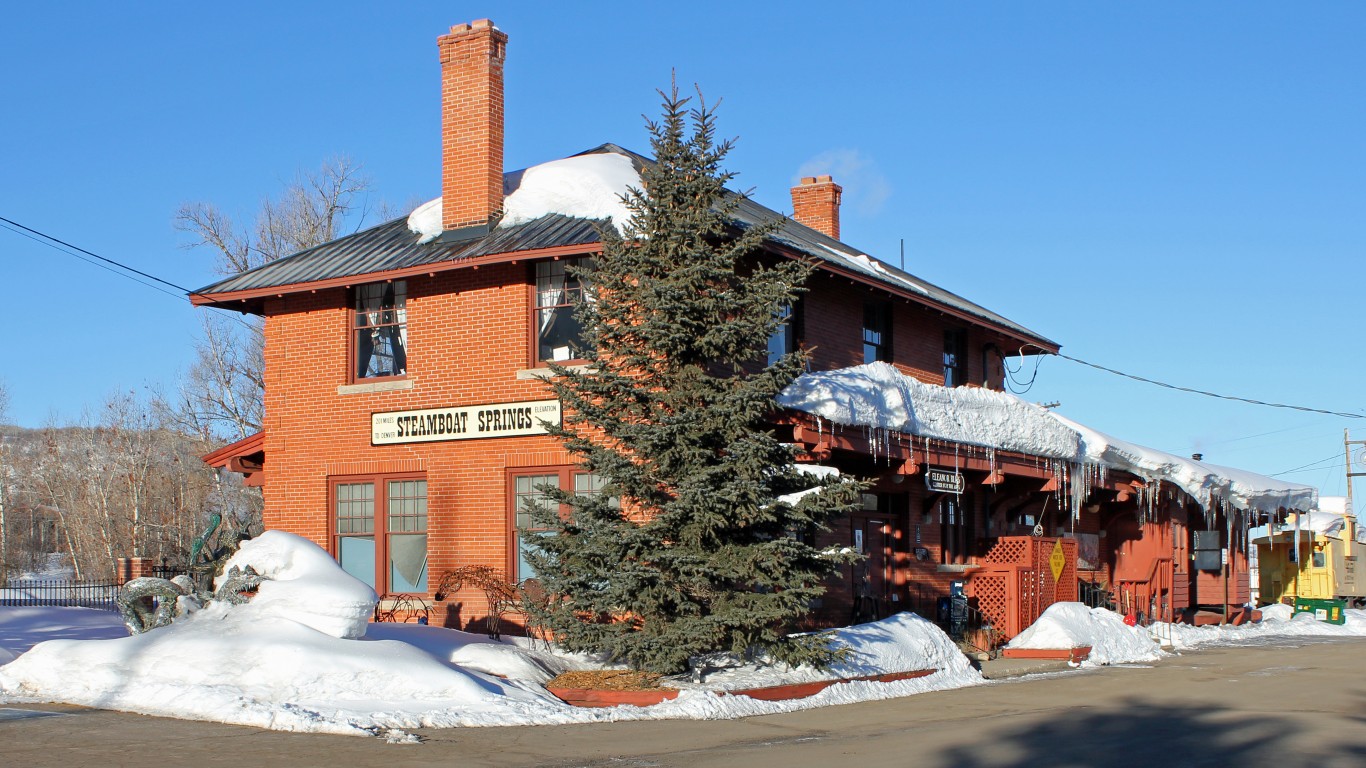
{"x":471,"y":128}
{"x":816,"y":203}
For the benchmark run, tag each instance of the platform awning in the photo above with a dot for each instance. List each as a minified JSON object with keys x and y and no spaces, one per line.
{"x":246,"y":457}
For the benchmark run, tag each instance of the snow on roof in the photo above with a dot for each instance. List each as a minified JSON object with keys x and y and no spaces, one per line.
{"x":873,"y":265}
{"x":879,"y":396}
{"x":1329,"y":519}
{"x":425,"y":220}
{"x":1335,"y":504}
{"x":1242,"y":489}
{"x":583,"y":186}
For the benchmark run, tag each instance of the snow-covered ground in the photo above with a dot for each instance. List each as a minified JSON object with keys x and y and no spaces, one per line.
{"x":1073,"y":625}
{"x":302,"y":657}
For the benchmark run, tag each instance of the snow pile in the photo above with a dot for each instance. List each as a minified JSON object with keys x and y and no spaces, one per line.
{"x":583,"y":186}
{"x":281,"y":661}
{"x":878,"y":395}
{"x":480,"y":653}
{"x":900,"y":643}
{"x":904,"y":642}
{"x":1277,"y":624}
{"x":305,"y":585}
{"x":1072,"y":625}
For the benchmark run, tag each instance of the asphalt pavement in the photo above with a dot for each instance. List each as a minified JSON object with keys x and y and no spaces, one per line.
{"x":1294,"y":704}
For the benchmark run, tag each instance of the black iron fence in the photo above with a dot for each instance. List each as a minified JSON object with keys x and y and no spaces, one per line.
{"x":60,"y":593}
{"x":165,"y":571}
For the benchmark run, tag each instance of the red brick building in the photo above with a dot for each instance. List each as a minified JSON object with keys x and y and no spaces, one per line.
{"x":403,"y":384}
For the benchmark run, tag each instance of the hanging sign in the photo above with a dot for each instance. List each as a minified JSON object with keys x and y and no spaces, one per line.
{"x":464,"y":423}
{"x":944,"y":481}
{"x":1057,"y":561}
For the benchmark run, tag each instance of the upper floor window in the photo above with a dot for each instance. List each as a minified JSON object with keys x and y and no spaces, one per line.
{"x":380,"y":330}
{"x":784,"y":338}
{"x":955,"y":358}
{"x":559,"y":335}
{"x":877,"y":331}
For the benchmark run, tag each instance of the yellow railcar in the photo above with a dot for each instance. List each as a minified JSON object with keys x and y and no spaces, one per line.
{"x":1322,"y":562}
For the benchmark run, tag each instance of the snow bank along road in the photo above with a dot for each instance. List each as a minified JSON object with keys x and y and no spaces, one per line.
{"x":1292,"y":703}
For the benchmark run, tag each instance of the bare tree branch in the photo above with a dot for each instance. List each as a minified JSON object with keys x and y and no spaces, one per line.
{"x":222,"y":393}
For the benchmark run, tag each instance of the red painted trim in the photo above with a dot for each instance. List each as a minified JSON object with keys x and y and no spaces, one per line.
{"x":380,"y":530}
{"x":1076,"y":655}
{"x":588,"y":697}
{"x":244,"y":447}
{"x":565,"y":473}
{"x":202,"y":299}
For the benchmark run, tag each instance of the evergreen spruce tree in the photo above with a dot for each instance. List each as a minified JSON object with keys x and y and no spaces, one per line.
{"x":687,"y":550}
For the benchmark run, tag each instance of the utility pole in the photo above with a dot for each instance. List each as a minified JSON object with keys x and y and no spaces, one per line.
{"x":1350,"y":574}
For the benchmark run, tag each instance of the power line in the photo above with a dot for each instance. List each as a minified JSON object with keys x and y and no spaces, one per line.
{"x":1212,"y":394}
{"x":1307,"y":466}
{"x":1328,"y":468}
{"x":68,"y":248}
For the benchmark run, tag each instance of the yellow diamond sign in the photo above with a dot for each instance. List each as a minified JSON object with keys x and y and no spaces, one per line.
{"x":1057,"y":561}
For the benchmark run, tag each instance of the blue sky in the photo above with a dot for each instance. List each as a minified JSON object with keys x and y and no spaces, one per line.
{"x":1173,"y":190}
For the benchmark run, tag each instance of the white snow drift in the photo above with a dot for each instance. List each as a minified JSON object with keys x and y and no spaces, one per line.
{"x":300,"y":657}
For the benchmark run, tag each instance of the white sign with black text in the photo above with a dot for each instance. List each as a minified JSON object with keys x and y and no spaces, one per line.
{"x":464,"y":423}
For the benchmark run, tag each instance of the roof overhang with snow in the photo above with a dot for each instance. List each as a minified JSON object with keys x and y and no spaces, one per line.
{"x":878,"y":397}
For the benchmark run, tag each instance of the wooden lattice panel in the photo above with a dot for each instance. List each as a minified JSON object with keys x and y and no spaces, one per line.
{"x":1016,"y":582}
{"x":993,"y":597}
{"x":1011,"y":550}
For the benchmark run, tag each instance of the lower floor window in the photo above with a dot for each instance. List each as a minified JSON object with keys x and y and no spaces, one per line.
{"x":380,"y":531}
{"x":528,"y":492}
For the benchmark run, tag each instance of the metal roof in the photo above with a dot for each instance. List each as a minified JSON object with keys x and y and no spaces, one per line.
{"x":392,"y":247}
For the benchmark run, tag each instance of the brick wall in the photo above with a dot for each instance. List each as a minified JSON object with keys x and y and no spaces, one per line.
{"x":467,"y":339}
{"x":833,"y":327}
